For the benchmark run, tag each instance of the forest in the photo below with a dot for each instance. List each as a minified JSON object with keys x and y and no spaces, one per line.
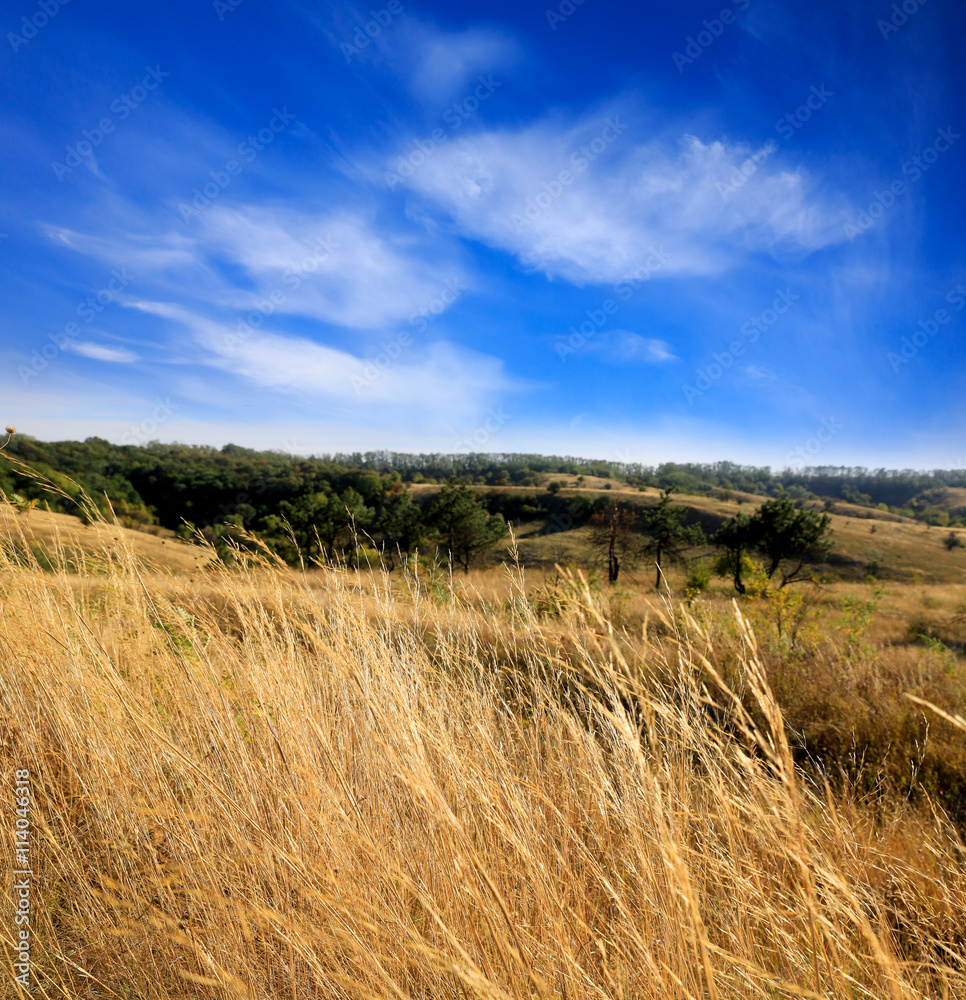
{"x":216,"y":491}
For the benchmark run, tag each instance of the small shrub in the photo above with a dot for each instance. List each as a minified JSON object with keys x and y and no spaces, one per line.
{"x":921,"y":626}
{"x":700,"y":577}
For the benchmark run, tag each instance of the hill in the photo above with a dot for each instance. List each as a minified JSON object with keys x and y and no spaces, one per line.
{"x":866,"y":541}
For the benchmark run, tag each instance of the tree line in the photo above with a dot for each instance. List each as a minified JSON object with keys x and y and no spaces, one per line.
{"x":322,"y":507}
{"x":787,"y":538}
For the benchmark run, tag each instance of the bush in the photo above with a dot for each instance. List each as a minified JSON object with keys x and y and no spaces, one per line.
{"x":699,"y":578}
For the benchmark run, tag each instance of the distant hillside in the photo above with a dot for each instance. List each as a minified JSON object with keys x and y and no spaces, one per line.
{"x":217,"y":490}
{"x":179,"y":490}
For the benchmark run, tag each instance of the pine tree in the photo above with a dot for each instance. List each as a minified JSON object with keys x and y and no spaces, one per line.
{"x":463,"y":524}
{"x":668,"y":534}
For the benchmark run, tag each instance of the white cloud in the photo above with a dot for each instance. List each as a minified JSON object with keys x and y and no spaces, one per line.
{"x":142,"y":252}
{"x":441,"y":378}
{"x":624,"y":346}
{"x":624,"y":197}
{"x":101,"y":352}
{"x":336,"y":267}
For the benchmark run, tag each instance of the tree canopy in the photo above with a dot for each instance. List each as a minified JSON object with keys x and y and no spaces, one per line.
{"x":668,"y":534}
{"x":786,"y":536}
{"x":463,"y":524}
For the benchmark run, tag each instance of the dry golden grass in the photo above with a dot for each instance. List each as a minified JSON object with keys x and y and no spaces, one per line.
{"x":53,"y":532}
{"x":263,"y":784}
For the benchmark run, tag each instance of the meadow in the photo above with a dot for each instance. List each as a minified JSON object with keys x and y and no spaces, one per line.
{"x":255,"y":781}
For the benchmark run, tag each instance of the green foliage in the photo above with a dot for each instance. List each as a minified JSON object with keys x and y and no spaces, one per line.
{"x":463,"y":525}
{"x":787,"y":617}
{"x":228,"y":493}
{"x":856,"y":618}
{"x":668,"y":534}
{"x":737,"y":538}
{"x":784,"y":533}
{"x":401,"y":524}
{"x":324,"y":524}
{"x":699,"y":579}
{"x":788,"y":538}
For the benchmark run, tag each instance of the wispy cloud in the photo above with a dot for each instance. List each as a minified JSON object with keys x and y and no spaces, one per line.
{"x":368,"y":277}
{"x":101,"y":352}
{"x":435,"y":63}
{"x":440,"y":378}
{"x":337,"y":266}
{"x":623,"y":346}
{"x":441,"y":62}
{"x":505,"y":188}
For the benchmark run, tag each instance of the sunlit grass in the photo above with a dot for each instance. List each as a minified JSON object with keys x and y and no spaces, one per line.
{"x":259,"y":783}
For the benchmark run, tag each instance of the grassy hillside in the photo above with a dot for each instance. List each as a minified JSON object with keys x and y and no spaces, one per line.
{"x":866,"y":542}
{"x":261,"y":783}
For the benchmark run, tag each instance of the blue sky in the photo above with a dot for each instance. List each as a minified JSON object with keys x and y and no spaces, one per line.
{"x":647,"y":232}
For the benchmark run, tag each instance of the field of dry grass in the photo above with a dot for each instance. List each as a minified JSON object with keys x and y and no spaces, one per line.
{"x":253,"y":782}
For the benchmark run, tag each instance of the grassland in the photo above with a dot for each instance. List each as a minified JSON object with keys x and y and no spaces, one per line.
{"x":254,"y":782}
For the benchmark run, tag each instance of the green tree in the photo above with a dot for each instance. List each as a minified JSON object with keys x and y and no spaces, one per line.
{"x":668,"y":534}
{"x":737,"y":538}
{"x":401,"y":523}
{"x":463,"y":524}
{"x":789,"y":537}
{"x":326,"y":521}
